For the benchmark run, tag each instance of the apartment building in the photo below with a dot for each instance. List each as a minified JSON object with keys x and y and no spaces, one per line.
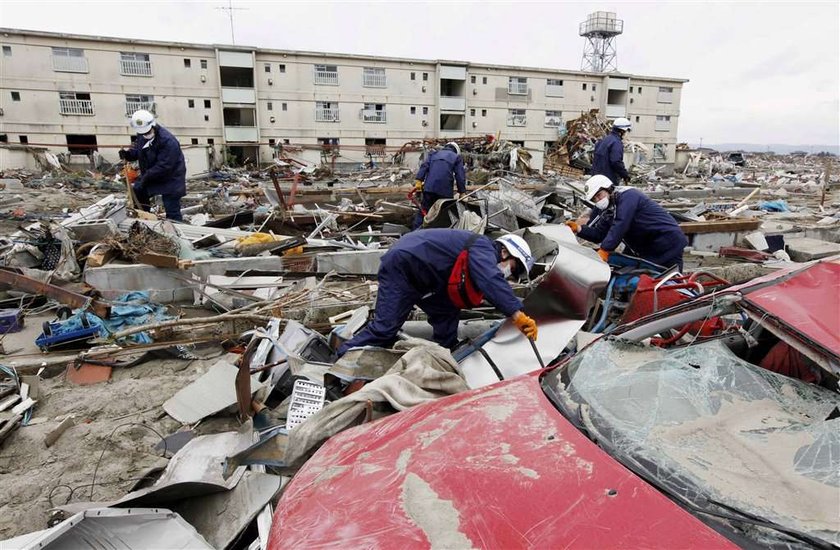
{"x":70,"y":92}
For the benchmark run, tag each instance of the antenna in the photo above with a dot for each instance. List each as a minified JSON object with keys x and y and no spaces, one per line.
{"x":600,"y":30}
{"x":230,"y":9}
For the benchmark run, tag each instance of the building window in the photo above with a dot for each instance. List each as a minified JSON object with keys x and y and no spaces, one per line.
{"x":271,"y":142}
{"x":516,"y":117}
{"x":69,"y":60}
{"x":75,"y":103}
{"x":135,"y":64}
{"x":284,"y":106}
{"x":472,"y":79}
{"x":660,"y":151}
{"x":666,"y":95}
{"x":413,"y":76}
{"x":639,"y":90}
{"x":135,"y":102}
{"x":15,"y":96}
{"x":425,"y":110}
{"x":637,"y":118}
{"x":187,"y":63}
{"x":281,"y":68}
{"x":663,"y":123}
{"x":211,"y":141}
{"x":484,"y":112}
{"x":191,"y":103}
{"x":553,"y":119}
{"x":413,"y":110}
{"x":593,"y":87}
{"x":286,"y":142}
{"x":326,"y":74}
{"x":269,"y":106}
{"x":374,"y":112}
{"x":267,"y":67}
{"x":553,"y":87}
{"x":326,"y":111}
{"x":24,"y":139}
{"x":484,"y":80}
{"x":373,"y":77}
{"x":206,"y":118}
{"x":206,"y":103}
{"x":4,"y":138}
{"x":7,"y":51}
{"x":193,"y":141}
{"x":517,"y":85}
{"x":472,"y":112}
{"x":375,"y":146}
{"x":203,"y":63}
{"x":425,"y":77}
{"x":583,"y":86}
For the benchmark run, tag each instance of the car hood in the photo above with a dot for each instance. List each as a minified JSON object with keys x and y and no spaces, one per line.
{"x":495,"y":467}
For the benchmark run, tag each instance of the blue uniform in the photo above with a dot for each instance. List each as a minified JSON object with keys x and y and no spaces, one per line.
{"x":644,"y":226}
{"x":415,"y":271}
{"x":438,"y":171}
{"x":609,"y":158}
{"x":163,"y":170}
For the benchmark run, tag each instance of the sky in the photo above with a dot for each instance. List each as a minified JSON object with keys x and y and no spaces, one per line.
{"x":759,"y":72}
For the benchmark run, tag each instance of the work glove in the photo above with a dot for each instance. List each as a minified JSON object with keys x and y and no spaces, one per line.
{"x":574,"y":226}
{"x":457,"y":196}
{"x":418,"y":185}
{"x":525,"y":324}
{"x":123,"y":154}
{"x":604,"y":254}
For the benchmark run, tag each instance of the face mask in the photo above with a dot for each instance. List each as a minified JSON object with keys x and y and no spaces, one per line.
{"x":149,"y":135}
{"x":504,"y":267}
{"x":603,"y":203}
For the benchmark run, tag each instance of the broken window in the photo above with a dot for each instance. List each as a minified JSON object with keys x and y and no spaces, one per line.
{"x":23,"y":139}
{"x":81,"y":144}
{"x":75,"y":103}
{"x":375,"y":146}
{"x":211,"y":141}
{"x":373,"y":112}
{"x":69,"y":60}
{"x":660,"y":151}
{"x":553,"y":87}
{"x":373,"y":77}
{"x":135,"y":64}
{"x":517,"y":85}
{"x":553,"y":119}
{"x":135,"y":102}
{"x":203,"y":63}
{"x":326,"y":74}
{"x":516,"y":117}
{"x":326,"y":111}
{"x":187,"y":63}
{"x":15,"y":96}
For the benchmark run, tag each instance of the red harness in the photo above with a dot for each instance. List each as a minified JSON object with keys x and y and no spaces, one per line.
{"x":461,"y":290}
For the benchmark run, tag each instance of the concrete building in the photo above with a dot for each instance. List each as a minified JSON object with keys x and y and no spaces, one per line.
{"x":70,"y":92}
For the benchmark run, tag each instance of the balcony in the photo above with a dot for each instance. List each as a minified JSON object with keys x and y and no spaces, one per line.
{"x":70,"y":64}
{"x":75,"y":107}
{"x":134,"y":67}
{"x":552,"y":90}
{"x":326,"y":115}
{"x":327,"y":78}
{"x":373,"y":116}
{"x":553,"y":122}
{"x":238,"y":134}
{"x":665,"y":97}
{"x":615,"y":111}
{"x":371,"y":80}
{"x":132,"y":107}
{"x":239,"y":95}
{"x":663,"y":124}
{"x":453,"y":103}
{"x":518,"y":88}
{"x":516,"y":120}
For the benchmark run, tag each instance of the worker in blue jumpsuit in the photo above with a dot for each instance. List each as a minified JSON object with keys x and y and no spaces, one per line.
{"x":627,"y":214}
{"x":418,"y":270}
{"x":163,"y":170}
{"x":609,"y":153}
{"x":436,"y":175}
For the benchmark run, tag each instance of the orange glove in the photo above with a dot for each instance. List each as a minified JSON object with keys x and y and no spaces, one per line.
{"x":525,"y":324}
{"x":418,"y":185}
{"x":574,"y":226}
{"x":604,"y":254}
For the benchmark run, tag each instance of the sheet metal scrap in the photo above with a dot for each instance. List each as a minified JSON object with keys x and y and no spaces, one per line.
{"x":575,"y":147}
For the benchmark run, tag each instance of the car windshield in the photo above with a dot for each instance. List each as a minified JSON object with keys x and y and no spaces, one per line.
{"x":707,"y":426}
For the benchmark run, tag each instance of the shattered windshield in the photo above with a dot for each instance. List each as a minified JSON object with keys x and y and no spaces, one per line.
{"x":711,"y":427}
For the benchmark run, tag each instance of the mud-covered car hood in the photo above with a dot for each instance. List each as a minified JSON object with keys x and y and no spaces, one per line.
{"x":498,"y":467}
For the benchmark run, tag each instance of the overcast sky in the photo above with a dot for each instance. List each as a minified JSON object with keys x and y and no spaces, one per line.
{"x":759,"y":72}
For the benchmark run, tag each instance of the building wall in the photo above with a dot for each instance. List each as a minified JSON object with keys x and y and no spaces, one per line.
{"x":285,"y":101}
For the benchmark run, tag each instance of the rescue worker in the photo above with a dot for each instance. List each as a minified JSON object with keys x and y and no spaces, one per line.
{"x":609,"y":153}
{"x":626,"y":214}
{"x":444,"y":271}
{"x":162,"y":167}
{"x":435,"y":177}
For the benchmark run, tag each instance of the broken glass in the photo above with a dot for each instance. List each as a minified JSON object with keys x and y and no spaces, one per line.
{"x":713,"y":430}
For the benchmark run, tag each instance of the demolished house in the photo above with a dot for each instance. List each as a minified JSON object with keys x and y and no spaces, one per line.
{"x":178,"y":382}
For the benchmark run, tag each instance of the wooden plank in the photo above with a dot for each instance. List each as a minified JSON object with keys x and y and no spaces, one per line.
{"x":719,"y":226}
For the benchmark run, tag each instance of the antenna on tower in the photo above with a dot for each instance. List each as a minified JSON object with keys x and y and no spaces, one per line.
{"x":230,"y":9}
{"x":600,"y":30}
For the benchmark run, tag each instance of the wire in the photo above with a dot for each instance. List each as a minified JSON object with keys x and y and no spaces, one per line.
{"x":108,"y":440}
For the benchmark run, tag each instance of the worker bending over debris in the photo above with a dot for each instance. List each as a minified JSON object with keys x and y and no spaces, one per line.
{"x":435,"y":177}
{"x":444,"y":271}
{"x":609,"y":153}
{"x":626,"y":214}
{"x":163,"y":170}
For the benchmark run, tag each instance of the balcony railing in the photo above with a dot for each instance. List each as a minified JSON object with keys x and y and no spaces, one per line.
{"x":516,"y":120}
{"x":553,"y":121}
{"x":665,"y":97}
{"x":326,"y":115}
{"x":134,"y":67}
{"x":552,"y":90}
{"x":132,"y":107}
{"x":373,"y":116}
{"x":518,"y":88}
{"x":374,"y":80}
{"x":662,"y":125}
{"x":329,"y":78}
{"x":75,"y":106}
{"x":70,"y":64}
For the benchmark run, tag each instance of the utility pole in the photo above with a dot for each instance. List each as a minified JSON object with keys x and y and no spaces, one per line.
{"x":230,"y":9}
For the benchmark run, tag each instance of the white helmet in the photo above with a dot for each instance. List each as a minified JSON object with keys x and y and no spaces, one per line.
{"x":142,"y":121}
{"x":454,"y":146}
{"x":622,"y":124}
{"x":595,"y":184}
{"x":519,"y":249}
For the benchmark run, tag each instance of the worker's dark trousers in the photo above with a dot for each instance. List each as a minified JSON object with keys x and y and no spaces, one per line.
{"x":171,"y":203}
{"x":426,"y":200}
{"x":395,"y":300}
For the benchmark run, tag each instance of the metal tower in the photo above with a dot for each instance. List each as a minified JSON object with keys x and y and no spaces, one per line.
{"x":600,"y":30}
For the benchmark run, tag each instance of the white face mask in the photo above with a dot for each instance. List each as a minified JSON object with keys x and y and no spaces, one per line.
{"x":603,"y":203}
{"x":504,"y":267}
{"x":149,"y":135}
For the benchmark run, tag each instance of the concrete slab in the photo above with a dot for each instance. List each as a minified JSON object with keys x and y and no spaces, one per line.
{"x":355,"y":262}
{"x":804,"y":249}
